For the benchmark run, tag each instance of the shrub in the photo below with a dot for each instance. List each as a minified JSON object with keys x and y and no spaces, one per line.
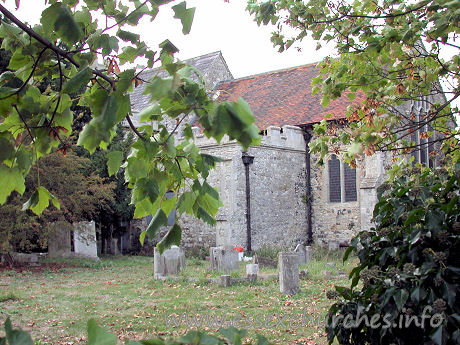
{"x":408,"y":276}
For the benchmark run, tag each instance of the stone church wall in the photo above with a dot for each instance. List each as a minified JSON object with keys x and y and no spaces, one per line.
{"x":277,"y":188}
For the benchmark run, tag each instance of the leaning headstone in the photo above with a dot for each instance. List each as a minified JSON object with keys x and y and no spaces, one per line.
{"x":85,"y":244}
{"x":59,"y":245}
{"x":308,"y":254}
{"x":252,"y":270}
{"x":288,"y":273}
{"x":300,"y":250}
{"x":225,"y":280}
{"x":169,"y":263}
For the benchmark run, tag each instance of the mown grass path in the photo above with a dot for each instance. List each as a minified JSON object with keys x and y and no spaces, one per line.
{"x":55,"y":302}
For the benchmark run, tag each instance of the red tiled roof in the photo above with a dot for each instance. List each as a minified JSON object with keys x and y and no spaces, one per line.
{"x":283,"y":97}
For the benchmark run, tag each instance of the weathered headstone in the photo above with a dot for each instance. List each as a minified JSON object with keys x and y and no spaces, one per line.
{"x":23,"y":258}
{"x":288,"y":264}
{"x":308,"y":254}
{"x":225,"y":280}
{"x":59,"y":245}
{"x":169,"y":263}
{"x":264,"y":262}
{"x":300,"y":250}
{"x":224,"y":259}
{"x":213,"y":257}
{"x":85,"y":244}
{"x":252,"y":270}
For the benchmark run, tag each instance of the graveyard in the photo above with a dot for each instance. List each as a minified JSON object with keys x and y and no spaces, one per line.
{"x":54,"y":298}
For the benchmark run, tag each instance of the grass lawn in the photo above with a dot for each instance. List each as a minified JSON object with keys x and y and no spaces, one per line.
{"x":55,"y":301}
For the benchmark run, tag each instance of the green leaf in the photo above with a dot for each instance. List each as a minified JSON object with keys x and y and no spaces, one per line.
{"x":437,"y":335}
{"x":261,"y":340}
{"x":99,"y":336}
{"x":158,"y":87}
{"x":59,"y":18}
{"x":400,"y":297}
{"x":78,"y":81}
{"x":233,"y":335}
{"x":205,"y":216}
{"x":40,"y":200}
{"x":173,"y":237}
{"x":128,"y":36}
{"x":152,"y":112}
{"x":16,"y":336}
{"x":11,"y":180}
{"x":6,"y":149}
{"x":156,"y":223}
{"x":114,"y":160}
{"x":185,"y":15}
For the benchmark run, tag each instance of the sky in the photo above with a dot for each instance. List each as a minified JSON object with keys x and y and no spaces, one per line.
{"x":218,"y":25}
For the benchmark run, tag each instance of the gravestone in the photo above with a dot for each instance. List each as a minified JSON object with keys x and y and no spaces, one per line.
{"x":301,"y":251}
{"x":264,"y":262}
{"x":252,"y":270}
{"x":169,"y":263}
{"x":308,"y":254}
{"x":59,"y":245}
{"x":213,"y":254}
{"x":225,"y":280}
{"x":224,"y":259}
{"x":288,"y":264}
{"x":85,"y":244}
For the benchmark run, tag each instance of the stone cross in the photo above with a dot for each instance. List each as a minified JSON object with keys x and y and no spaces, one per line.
{"x":288,"y":264}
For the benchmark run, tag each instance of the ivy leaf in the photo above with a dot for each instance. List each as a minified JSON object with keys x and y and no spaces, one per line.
{"x":99,"y":336}
{"x":114,"y":161}
{"x":80,"y":79}
{"x":40,"y":200}
{"x":400,"y":298}
{"x":11,"y":180}
{"x":185,"y":15}
{"x":173,"y":237}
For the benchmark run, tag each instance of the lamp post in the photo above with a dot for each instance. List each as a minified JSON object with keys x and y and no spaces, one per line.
{"x":248,"y":160}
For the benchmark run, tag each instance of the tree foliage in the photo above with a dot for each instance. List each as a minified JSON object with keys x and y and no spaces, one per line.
{"x":409,"y":267}
{"x":71,"y":35}
{"x":391,"y":52}
{"x":75,"y":191}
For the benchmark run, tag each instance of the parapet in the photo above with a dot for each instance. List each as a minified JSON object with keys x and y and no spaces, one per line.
{"x":290,"y":137}
{"x":285,"y":137}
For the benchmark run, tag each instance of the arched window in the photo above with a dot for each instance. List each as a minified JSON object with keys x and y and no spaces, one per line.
{"x":335,"y":188}
{"x":342,"y":181}
{"x":349,"y":175}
